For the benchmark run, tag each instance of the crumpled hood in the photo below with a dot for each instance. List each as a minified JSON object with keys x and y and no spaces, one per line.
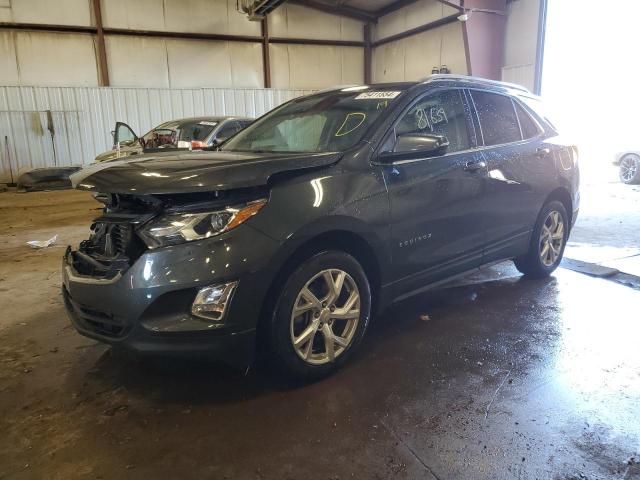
{"x":187,"y":172}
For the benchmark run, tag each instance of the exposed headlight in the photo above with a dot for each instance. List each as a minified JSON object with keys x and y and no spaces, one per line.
{"x":176,"y":228}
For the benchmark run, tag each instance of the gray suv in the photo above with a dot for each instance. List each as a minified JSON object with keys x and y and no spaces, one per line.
{"x":298,"y":228}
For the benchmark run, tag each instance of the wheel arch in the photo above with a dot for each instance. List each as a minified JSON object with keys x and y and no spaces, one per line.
{"x":562,"y":195}
{"x":348,"y":241}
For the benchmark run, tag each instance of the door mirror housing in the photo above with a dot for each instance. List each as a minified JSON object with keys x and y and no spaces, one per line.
{"x":412,"y":145}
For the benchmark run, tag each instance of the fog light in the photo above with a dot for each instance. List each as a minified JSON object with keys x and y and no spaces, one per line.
{"x":211,"y":302}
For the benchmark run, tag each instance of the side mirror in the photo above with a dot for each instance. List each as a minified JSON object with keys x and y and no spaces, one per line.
{"x":411,"y":145}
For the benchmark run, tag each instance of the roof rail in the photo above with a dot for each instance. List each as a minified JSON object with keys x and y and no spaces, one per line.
{"x":467,"y":78}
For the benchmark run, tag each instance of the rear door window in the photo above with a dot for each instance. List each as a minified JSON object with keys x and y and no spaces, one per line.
{"x":498,"y":120}
{"x":527,"y":125}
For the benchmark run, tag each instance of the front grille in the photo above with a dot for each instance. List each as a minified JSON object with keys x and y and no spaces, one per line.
{"x":120,"y":234}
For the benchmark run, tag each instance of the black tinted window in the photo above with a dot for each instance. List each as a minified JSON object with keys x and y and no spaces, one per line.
{"x":438,"y":114}
{"x":528,"y":126}
{"x":227,"y":130}
{"x":497,"y":118}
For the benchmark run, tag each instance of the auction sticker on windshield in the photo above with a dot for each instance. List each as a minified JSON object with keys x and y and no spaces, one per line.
{"x":378,"y":95}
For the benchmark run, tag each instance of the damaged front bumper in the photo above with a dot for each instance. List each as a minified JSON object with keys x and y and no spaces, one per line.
{"x":147,"y":307}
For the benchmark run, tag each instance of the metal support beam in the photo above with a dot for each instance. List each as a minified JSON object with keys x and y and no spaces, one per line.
{"x":484,"y":36}
{"x":266,"y":59}
{"x":457,"y":4}
{"x":367,"y":54}
{"x":542,"y":28}
{"x":182,"y":35}
{"x":310,"y":41}
{"x":42,"y":27}
{"x":341,"y":10}
{"x":102,"y":51}
{"x":397,"y":5}
{"x":414,"y":31}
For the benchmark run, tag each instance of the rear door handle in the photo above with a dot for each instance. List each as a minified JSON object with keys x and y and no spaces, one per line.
{"x":474,"y":166}
{"x":542,"y":151}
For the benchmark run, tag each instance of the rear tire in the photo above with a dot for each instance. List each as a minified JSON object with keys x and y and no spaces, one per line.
{"x":548,"y":239}
{"x":315,"y":327}
{"x":630,"y":169}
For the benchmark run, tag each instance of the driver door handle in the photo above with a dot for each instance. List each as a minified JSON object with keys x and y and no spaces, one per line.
{"x":474,"y":166}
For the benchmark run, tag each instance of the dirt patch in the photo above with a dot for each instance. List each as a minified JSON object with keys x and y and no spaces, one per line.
{"x":29,"y":279}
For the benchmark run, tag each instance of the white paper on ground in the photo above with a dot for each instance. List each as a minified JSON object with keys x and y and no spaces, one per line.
{"x":43,"y":244}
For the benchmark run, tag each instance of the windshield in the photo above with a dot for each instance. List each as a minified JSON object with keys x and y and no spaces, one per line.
{"x":328,"y":122}
{"x":169,"y":134}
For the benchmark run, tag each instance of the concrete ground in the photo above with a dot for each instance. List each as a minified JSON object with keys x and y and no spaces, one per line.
{"x":503,"y":378}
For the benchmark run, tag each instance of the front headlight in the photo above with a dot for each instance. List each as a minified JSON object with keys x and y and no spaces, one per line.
{"x":176,"y":228}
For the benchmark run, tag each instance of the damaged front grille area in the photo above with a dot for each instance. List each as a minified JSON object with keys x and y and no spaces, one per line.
{"x":113,"y":245}
{"x":111,"y":249}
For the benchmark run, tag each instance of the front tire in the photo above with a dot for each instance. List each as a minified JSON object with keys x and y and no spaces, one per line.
{"x":321,"y":315}
{"x":548,"y":239}
{"x":630,"y":169}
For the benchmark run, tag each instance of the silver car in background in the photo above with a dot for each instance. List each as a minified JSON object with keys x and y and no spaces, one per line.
{"x":186,"y":133}
{"x":629,"y":163}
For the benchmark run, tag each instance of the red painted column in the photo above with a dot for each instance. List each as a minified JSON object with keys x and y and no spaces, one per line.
{"x":484,"y":36}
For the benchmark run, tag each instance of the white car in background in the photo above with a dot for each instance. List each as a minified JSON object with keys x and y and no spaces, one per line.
{"x":629,"y":163}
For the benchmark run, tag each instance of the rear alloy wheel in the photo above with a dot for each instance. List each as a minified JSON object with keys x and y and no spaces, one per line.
{"x":548,"y":240}
{"x":630,"y":169}
{"x":321,"y":315}
{"x":551,"y":239}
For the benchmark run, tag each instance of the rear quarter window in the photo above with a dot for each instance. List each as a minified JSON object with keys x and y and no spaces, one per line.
{"x":536,"y":105}
{"x":527,"y":125}
{"x":497,"y":116}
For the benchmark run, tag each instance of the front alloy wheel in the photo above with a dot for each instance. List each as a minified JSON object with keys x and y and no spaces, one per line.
{"x":325,"y":316}
{"x":321,"y":314}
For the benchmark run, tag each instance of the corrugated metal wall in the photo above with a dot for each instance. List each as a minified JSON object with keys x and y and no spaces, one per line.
{"x":83,"y":118}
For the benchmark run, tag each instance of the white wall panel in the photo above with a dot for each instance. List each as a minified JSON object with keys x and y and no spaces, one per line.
{"x":8,"y":63}
{"x":198,"y":16}
{"x":521,"y":39}
{"x":521,"y":34}
{"x":56,"y":58}
{"x":137,"y":14}
{"x":58,"y":12}
{"x":521,"y":74}
{"x":207,"y":16}
{"x":453,"y":52}
{"x":194,"y":63}
{"x":83,"y":118}
{"x":311,"y":66}
{"x":137,"y":61}
{"x":411,"y":16}
{"x":352,"y":66}
{"x":246,"y":64}
{"x":294,"y":21}
{"x":413,"y":58}
{"x":422,"y":52}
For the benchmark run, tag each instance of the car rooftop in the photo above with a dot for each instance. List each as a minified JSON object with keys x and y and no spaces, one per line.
{"x":467,"y":80}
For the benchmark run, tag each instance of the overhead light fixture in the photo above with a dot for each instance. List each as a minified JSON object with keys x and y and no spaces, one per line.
{"x":464,"y":17}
